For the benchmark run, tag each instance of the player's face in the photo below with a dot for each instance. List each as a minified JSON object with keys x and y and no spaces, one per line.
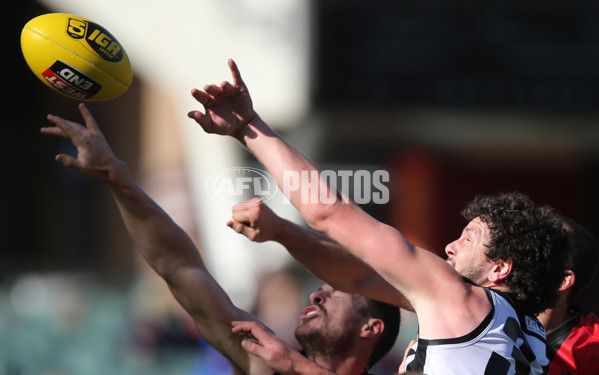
{"x":331,"y":321}
{"x":467,"y":254}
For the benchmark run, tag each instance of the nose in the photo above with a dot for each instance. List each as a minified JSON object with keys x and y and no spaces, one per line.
{"x":317,"y":297}
{"x":450,"y":249}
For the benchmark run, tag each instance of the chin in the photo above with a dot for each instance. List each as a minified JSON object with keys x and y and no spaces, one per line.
{"x":303,"y":328}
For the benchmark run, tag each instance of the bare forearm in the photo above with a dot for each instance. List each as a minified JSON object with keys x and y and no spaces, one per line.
{"x":284,"y":163}
{"x":173,"y":255}
{"x":335,"y":217}
{"x":323,"y":257}
{"x":332,"y":263}
{"x":162,"y":243}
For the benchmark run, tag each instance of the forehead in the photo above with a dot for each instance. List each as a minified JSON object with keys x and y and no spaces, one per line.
{"x":355,"y":298}
{"x":477,"y":225}
{"x":330,"y":290}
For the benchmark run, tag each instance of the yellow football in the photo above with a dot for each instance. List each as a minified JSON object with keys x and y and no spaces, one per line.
{"x":76,"y":57}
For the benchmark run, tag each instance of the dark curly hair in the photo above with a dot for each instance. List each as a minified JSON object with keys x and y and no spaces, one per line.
{"x":532,"y":237}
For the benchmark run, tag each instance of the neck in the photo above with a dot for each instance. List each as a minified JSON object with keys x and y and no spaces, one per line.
{"x":491,"y":285}
{"x":347,"y":365}
{"x":553,"y":318}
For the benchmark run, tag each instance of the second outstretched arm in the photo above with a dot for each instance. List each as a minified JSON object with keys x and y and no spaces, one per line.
{"x":334,"y":265}
{"x":161,"y":242}
{"x":414,"y":272}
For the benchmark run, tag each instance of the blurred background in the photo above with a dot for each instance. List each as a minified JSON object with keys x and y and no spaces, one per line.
{"x":453,"y":98}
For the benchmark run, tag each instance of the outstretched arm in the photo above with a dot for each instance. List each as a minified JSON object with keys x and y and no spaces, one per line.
{"x":416,"y":273}
{"x":323,"y":257}
{"x":163,"y":244}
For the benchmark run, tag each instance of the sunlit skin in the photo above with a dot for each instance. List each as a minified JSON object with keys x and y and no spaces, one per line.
{"x":330,"y":323}
{"x":335,"y":332}
{"x":467,"y":253}
{"x":329,"y":310}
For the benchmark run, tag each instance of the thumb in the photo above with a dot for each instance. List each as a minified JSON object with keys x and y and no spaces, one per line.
{"x":252,"y":347}
{"x":204,"y":121}
{"x":246,"y":344}
{"x":68,"y":161}
{"x":243,"y":228}
{"x":236,"y":226}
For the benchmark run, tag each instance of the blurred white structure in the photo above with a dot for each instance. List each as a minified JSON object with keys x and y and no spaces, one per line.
{"x":178,"y":45}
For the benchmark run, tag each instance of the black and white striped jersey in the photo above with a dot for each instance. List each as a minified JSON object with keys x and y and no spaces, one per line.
{"x":505,"y":343}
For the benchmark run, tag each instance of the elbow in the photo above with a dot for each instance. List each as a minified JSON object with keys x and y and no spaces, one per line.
{"x":321,"y":215}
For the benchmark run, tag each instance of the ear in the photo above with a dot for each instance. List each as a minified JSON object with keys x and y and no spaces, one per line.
{"x":501,"y":269}
{"x":568,"y":281}
{"x":372,"y":328}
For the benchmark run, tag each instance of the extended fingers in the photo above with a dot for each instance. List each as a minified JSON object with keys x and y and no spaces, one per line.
{"x":201,"y":96}
{"x":237,"y":80}
{"x":53,"y":130}
{"x":65,"y":128}
{"x":240,"y":326}
{"x":202,"y":119}
{"x":256,"y":329}
{"x":229,"y":89}
{"x":89,"y":119}
{"x":213,"y":90}
{"x":68,"y":161}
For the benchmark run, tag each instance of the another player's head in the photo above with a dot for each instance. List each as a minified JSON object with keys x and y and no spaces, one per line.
{"x":335,"y":324}
{"x":512,"y":243}
{"x":582,"y":258}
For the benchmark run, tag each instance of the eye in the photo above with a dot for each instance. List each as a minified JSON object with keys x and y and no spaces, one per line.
{"x":336,"y":296}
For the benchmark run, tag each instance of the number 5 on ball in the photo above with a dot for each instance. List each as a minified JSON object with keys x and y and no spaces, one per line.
{"x":76,"y":57}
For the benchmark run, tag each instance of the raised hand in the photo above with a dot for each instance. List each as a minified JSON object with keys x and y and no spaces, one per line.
{"x":276,"y":353}
{"x":94,"y":159}
{"x":262,"y":342}
{"x":228,"y":107}
{"x":255,"y":220}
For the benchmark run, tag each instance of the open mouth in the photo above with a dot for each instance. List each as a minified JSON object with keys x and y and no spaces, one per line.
{"x":310,"y":312}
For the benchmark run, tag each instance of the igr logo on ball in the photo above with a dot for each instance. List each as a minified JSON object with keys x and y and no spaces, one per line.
{"x":97,"y":37}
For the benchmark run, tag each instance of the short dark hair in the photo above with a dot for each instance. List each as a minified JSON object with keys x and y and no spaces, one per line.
{"x":532,"y":237}
{"x":582,"y":256}
{"x":391,"y":317}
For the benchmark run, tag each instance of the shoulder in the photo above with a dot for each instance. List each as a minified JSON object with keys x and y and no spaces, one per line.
{"x":583,"y":323}
{"x":575,"y":343}
{"x":587,"y":324}
{"x":511,"y":311}
{"x":454,"y":311}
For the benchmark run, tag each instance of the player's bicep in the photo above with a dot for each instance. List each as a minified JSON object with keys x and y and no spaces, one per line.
{"x":408,"y":268}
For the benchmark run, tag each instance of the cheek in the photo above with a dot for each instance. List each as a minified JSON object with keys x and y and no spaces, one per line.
{"x":465,"y":258}
{"x":337,"y":315}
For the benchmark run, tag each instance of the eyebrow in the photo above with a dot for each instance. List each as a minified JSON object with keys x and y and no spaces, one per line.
{"x":472,"y":229}
{"x":332,"y":290}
